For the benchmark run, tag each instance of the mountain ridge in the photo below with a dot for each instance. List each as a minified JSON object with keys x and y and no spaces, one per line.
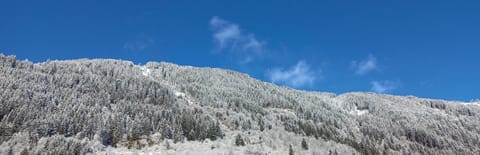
{"x":116,"y":106}
{"x":243,"y":74}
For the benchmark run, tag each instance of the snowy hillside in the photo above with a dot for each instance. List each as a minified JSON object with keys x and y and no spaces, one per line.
{"x":105,"y":106}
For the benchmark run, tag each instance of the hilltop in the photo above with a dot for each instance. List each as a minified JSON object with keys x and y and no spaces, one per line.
{"x":106,"y":106}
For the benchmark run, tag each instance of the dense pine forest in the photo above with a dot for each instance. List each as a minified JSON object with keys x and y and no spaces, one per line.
{"x":105,"y":106}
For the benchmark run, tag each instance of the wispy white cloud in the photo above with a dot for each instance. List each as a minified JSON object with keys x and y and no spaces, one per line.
{"x":384,"y":86}
{"x":299,"y":75}
{"x":225,"y":33}
{"x":140,"y":43}
{"x":365,"y":66}
{"x":228,"y":36}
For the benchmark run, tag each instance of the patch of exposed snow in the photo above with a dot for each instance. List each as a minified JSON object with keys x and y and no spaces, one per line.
{"x":285,"y":111}
{"x":145,"y":71}
{"x":359,"y":112}
{"x":184,"y":96}
{"x":274,"y":142}
{"x":473,"y":103}
{"x":289,"y":111}
{"x":180,"y":94}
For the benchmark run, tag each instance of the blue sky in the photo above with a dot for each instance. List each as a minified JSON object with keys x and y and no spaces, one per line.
{"x":422,"y":48}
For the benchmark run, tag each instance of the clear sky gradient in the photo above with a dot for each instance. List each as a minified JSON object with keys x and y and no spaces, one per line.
{"x":423,"y":48}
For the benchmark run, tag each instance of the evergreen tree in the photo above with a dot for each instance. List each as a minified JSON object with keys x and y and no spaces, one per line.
{"x":239,"y":140}
{"x":290,"y":150}
{"x":304,"y":144}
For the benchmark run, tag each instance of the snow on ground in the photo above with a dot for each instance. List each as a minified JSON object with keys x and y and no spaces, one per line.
{"x":185,"y":97}
{"x":473,"y":103}
{"x":145,"y":71}
{"x":275,"y":142}
{"x":179,"y":94}
{"x":361,"y":112}
{"x":289,"y":111}
{"x":284,"y":111}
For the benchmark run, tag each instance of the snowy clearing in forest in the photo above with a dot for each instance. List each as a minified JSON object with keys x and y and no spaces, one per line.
{"x":145,"y":71}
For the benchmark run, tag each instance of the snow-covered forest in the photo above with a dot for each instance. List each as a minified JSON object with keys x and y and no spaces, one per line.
{"x":105,"y":106}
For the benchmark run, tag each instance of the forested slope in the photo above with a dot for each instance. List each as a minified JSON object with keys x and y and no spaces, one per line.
{"x":107,"y":106}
